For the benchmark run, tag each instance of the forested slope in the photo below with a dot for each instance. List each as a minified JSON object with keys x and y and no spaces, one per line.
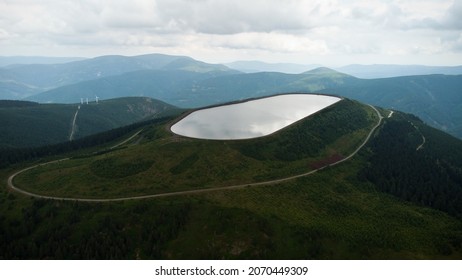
{"x":26,"y":124}
{"x":417,"y":163}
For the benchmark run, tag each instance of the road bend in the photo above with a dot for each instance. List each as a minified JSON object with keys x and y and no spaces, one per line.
{"x":189,"y":192}
{"x":421,"y":135}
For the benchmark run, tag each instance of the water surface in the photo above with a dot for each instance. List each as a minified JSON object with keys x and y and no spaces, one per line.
{"x":251,"y":119}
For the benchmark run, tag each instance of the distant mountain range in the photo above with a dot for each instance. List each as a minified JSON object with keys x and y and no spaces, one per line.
{"x":259,"y":66}
{"x":185,"y":82}
{"x":23,"y":80}
{"x":372,"y":71}
{"x":388,"y":71}
{"x":14,"y":60}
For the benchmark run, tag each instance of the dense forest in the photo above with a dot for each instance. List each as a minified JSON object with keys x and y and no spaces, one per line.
{"x":30,"y":125}
{"x":16,"y":104}
{"x":57,"y":230}
{"x":12,"y":156}
{"x":418,"y":164}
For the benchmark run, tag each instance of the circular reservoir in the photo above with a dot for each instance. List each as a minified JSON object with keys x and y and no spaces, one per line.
{"x":251,"y":119}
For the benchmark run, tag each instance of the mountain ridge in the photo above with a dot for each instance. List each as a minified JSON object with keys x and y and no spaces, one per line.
{"x":365,"y":71}
{"x":12,"y":61}
{"x":259,"y":66}
{"x":26,"y":80}
{"x":375,"y":71}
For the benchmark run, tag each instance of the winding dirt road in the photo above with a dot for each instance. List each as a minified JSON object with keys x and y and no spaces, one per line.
{"x":271,"y":182}
{"x":71,"y":137}
{"x":125,"y":141}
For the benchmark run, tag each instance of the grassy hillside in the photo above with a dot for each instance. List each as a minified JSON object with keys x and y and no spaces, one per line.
{"x":311,"y":218}
{"x":336,"y":213}
{"x":30,"y":124}
{"x":169,"y":163}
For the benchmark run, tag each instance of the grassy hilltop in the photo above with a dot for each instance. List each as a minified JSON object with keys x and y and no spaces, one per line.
{"x":165,"y":162}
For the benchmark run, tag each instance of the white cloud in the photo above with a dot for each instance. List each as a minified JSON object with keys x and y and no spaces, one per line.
{"x":262,"y":29}
{"x":131,"y":14}
{"x":273,"y":42}
{"x":4,"y":35}
{"x":231,"y":17}
{"x":452,"y":19}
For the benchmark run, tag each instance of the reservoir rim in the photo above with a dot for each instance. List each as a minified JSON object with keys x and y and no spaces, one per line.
{"x":189,"y":112}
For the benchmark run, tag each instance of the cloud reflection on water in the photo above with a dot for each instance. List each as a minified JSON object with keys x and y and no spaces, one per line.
{"x":251,"y":119}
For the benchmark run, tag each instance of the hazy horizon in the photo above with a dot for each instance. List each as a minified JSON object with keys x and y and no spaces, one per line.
{"x":76,"y":58}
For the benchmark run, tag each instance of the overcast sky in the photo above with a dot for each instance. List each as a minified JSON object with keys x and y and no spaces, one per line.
{"x":328,"y":32}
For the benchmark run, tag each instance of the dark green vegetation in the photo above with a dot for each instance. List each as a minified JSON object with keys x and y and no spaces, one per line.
{"x":41,"y":229}
{"x":337,"y":213}
{"x":418,"y":164}
{"x":27,"y":124}
{"x":308,"y":218}
{"x":79,"y":148}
